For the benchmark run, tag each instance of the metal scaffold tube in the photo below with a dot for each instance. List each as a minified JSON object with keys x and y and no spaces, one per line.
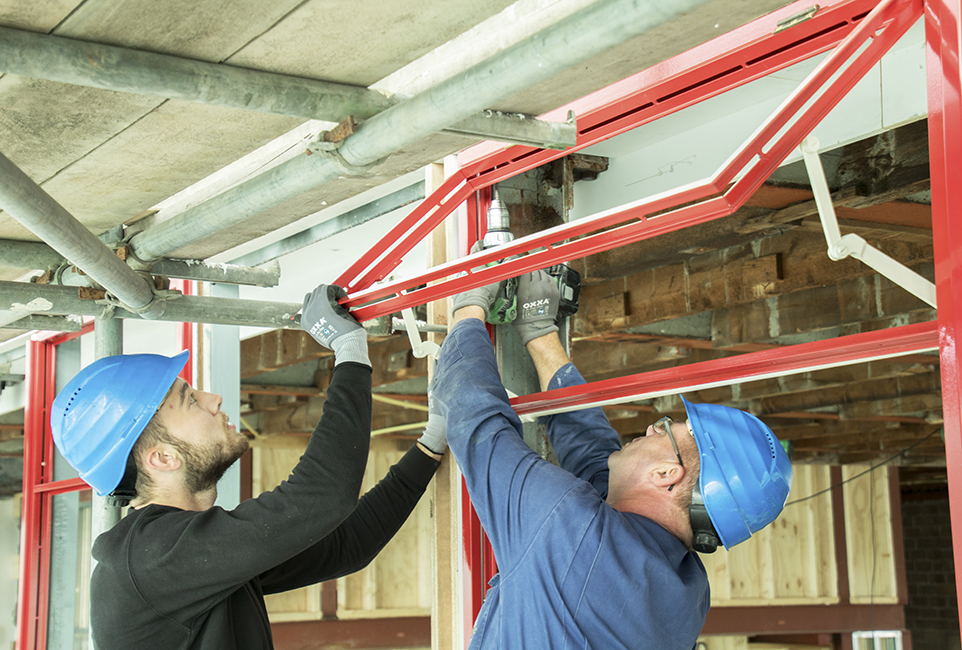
{"x":96,"y":65}
{"x":582,"y":35}
{"x":27,"y":255}
{"x":159,"y":75}
{"x":51,"y":300}
{"x":37,"y":211}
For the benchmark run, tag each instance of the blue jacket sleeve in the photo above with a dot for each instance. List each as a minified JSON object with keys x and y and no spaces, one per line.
{"x":513,"y":490}
{"x":583,"y":439}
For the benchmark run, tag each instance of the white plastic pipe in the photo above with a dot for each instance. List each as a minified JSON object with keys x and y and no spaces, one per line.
{"x":840,"y":247}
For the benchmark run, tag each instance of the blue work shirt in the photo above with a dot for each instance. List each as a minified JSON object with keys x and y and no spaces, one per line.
{"x":573,"y":571}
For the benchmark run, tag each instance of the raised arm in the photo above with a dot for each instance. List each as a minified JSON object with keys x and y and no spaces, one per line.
{"x":512,"y":489}
{"x":216,"y":550}
{"x":584,"y":439}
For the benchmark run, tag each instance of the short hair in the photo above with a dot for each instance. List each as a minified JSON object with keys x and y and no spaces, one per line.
{"x":686,"y":487}
{"x":154,"y":433}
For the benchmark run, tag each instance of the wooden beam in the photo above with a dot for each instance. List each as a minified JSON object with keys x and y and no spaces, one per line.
{"x":400,"y":632}
{"x":795,"y":619}
{"x":781,"y":264}
{"x":869,"y":390}
{"x":860,"y":304}
{"x":278,"y":349}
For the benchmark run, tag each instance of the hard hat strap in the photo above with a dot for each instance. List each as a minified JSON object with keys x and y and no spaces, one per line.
{"x":127,"y":489}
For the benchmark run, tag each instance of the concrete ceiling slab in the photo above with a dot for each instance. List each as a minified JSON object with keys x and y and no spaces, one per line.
{"x":40,"y":17}
{"x":359,"y":43}
{"x":208,"y":30}
{"x":108,"y":157}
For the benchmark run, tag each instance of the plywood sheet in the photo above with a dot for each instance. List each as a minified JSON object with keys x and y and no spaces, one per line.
{"x":868,"y":531}
{"x":397,"y":583}
{"x":791,"y":561}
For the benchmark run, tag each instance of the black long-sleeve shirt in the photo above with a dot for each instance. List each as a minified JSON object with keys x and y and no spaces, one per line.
{"x":173,"y":579}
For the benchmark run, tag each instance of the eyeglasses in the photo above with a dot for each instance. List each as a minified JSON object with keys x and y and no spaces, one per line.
{"x":663,"y":426}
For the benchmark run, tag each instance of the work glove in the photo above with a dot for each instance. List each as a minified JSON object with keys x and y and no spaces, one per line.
{"x":333,"y":326}
{"x":482,"y":297}
{"x":538,"y":299}
{"x":435,"y":436}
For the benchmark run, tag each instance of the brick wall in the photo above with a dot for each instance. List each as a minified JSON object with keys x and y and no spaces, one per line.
{"x":932,"y":613}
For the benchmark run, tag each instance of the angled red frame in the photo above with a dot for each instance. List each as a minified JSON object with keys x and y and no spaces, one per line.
{"x":722,"y":64}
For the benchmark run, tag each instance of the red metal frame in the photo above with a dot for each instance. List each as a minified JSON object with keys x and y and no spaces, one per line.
{"x":766,"y":53}
{"x":943,"y":45}
{"x":855,"y":348}
{"x":39,"y":490}
{"x":479,"y":564}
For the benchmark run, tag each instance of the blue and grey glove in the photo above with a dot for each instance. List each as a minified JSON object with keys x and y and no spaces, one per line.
{"x":538,"y":300}
{"x":435,"y":436}
{"x":333,"y":326}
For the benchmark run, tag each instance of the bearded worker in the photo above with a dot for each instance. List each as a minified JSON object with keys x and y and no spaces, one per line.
{"x":179,"y":572}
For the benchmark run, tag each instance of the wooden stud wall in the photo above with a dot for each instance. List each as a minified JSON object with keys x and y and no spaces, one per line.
{"x":791,"y":562}
{"x":397,"y":583}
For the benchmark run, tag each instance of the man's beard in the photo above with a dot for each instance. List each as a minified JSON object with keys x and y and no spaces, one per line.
{"x":203,"y":468}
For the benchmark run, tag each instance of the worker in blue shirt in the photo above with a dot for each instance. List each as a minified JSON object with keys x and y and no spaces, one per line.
{"x":601,"y":551}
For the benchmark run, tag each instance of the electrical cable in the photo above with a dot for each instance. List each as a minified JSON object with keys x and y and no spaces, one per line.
{"x":870,"y":469}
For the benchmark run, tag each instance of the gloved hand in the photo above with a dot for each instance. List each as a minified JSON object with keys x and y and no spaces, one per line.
{"x":333,"y":326}
{"x":482,"y":297}
{"x":538,"y":300}
{"x":435,"y":436}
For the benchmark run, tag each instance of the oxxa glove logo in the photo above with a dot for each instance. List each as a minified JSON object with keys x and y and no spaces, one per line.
{"x":536,"y":303}
{"x":322,"y":329}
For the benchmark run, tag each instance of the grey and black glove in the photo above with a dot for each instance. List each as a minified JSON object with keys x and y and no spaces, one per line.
{"x":538,"y":300}
{"x":435,"y":436}
{"x":482,"y":297}
{"x":333,"y":326}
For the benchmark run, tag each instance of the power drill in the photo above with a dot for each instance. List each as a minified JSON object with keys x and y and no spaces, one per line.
{"x":505,"y":307}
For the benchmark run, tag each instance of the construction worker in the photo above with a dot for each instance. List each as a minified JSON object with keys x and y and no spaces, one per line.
{"x":179,"y":572}
{"x":599,"y":552}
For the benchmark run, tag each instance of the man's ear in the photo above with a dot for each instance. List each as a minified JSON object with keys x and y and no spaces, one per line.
{"x":666,"y":474}
{"x":162,"y":458}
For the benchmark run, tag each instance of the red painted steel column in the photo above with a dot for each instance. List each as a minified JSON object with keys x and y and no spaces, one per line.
{"x":31,"y":624}
{"x":942,"y":32}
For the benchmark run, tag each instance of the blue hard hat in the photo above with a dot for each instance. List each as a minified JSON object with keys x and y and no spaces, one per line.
{"x":101,"y":412}
{"x":745,"y":473}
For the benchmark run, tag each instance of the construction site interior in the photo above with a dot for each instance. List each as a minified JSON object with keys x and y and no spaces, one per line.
{"x":758,"y":196}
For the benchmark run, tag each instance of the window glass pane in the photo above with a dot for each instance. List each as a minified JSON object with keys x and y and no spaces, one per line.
{"x":68,"y":599}
{"x":68,"y":365}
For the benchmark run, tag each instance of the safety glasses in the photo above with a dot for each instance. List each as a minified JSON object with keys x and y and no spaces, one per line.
{"x":663,"y":426}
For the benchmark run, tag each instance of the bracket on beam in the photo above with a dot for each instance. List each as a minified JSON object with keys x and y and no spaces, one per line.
{"x":516,"y":128}
{"x":842,"y":246}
